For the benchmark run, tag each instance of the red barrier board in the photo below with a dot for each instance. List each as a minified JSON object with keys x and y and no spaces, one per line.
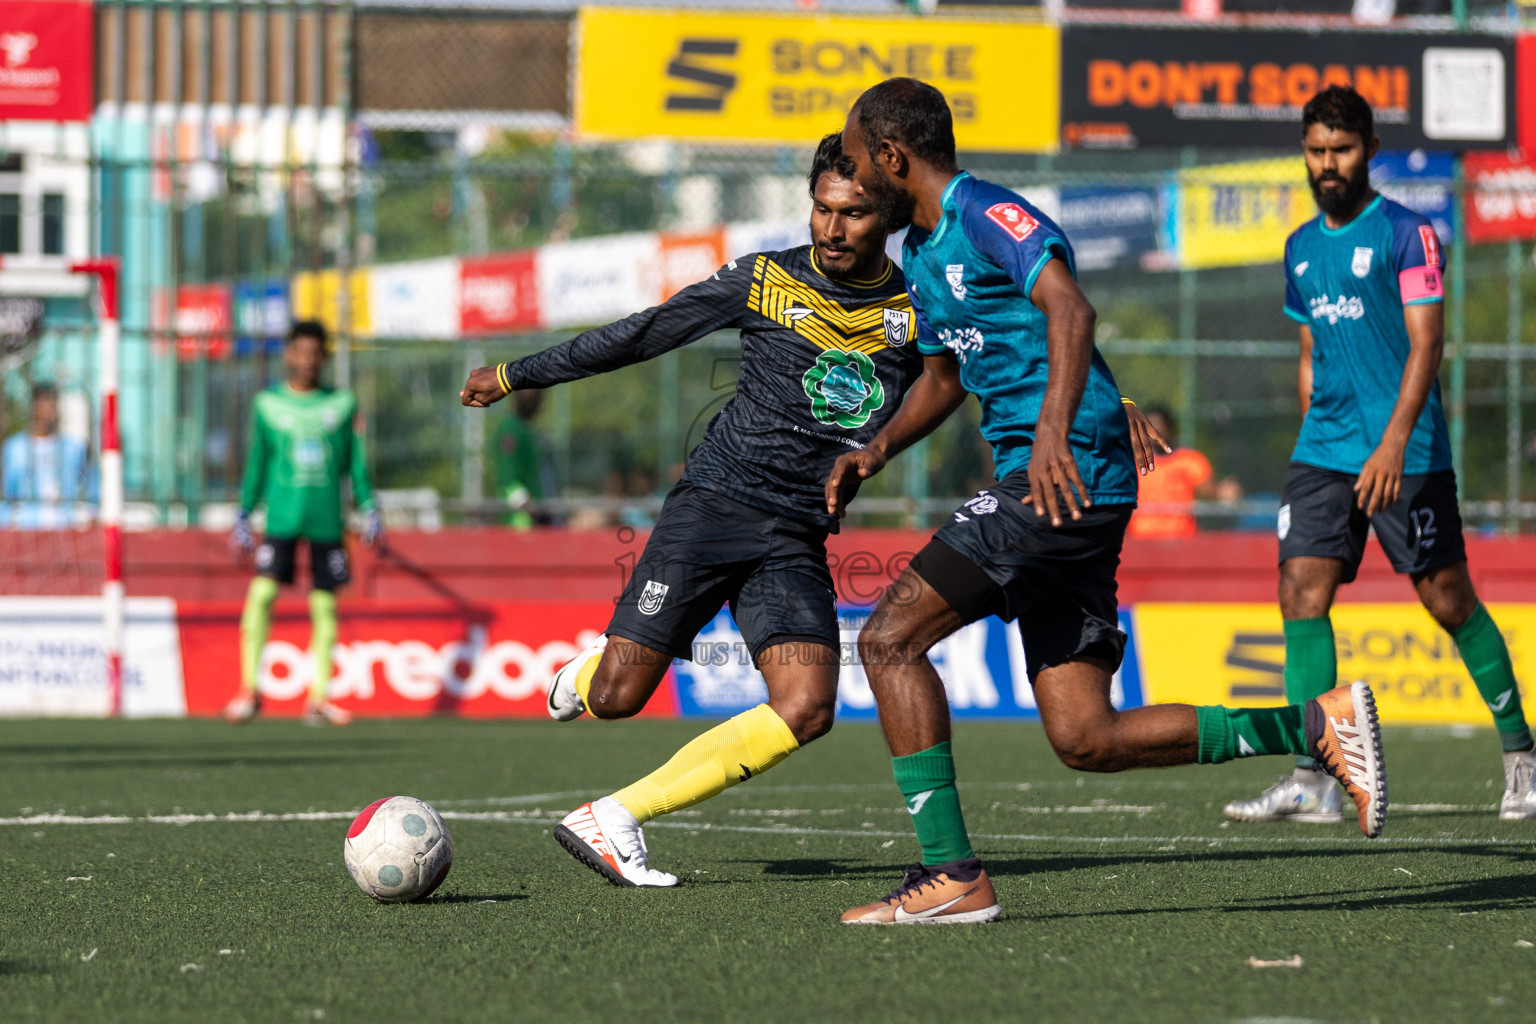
{"x":47,"y":60}
{"x":498,"y":293}
{"x":1501,"y":198}
{"x":1525,"y":94}
{"x":402,"y":660}
{"x":204,"y":318}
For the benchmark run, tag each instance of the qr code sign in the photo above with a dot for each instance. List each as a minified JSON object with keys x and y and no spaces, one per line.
{"x":1464,"y":94}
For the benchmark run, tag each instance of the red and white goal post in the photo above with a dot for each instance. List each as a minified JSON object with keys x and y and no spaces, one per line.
{"x":110,"y":470}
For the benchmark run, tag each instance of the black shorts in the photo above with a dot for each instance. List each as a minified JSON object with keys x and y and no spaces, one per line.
{"x":707,"y":550}
{"x":1319,"y":519}
{"x":327,"y":561}
{"x":996,"y":557}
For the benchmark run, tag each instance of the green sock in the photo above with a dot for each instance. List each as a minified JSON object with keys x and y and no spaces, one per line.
{"x":927,"y":781}
{"x":1487,"y":659}
{"x":322,"y":637}
{"x":255,"y":621}
{"x":1311,"y":665}
{"x":1227,"y":733}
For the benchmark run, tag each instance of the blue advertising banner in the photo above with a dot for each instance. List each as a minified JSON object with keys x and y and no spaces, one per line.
{"x":1421,"y":181}
{"x":1110,"y":228}
{"x":261,"y":316}
{"x":982,"y":667}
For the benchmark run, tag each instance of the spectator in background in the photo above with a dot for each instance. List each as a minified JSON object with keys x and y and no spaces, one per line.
{"x":42,"y":472}
{"x":1165,"y":499}
{"x":523,"y":475}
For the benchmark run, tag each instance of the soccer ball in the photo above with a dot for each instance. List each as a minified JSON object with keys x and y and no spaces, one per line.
{"x":398,"y":850}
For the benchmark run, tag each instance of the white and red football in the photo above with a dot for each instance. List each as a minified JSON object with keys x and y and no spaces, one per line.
{"x":398,"y":850}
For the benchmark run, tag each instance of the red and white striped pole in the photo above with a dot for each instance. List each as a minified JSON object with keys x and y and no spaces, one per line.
{"x":111,"y":470}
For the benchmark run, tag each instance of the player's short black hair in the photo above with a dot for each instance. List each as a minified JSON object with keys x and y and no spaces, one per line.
{"x":310,"y":329}
{"x":1341,"y":108}
{"x":829,"y":159}
{"x":912,"y":113}
{"x":44,"y":389}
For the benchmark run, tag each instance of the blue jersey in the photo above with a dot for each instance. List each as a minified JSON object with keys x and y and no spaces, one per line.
{"x":1348,"y":285}
{"x":970,"y":280}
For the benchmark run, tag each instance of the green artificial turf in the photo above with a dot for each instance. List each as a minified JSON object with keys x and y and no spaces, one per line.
{"x":1128,"y":898}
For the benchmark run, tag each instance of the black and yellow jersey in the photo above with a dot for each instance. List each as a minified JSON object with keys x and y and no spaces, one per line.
{"x":824,"y":363}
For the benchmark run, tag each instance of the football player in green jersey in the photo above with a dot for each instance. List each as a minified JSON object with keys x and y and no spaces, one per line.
{"x":303,"y":442}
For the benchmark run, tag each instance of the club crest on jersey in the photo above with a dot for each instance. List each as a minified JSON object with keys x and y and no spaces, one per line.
{"x":652,"y":596}
{"x":1014,"y":219}
{"x":898,"y":327}
{"x":954,"y":273}
{"x":1362,"y":261}
{"x":843,"y":388}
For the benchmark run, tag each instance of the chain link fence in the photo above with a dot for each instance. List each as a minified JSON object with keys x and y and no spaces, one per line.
{"x":296,"y":170}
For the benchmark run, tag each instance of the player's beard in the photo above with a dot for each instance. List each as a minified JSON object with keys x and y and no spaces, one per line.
{"x":835,"y":272}
{"x":1338,"y":202}
{"x":893,"y":206}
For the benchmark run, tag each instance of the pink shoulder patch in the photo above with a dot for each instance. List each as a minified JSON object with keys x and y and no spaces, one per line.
{"x":1419,"y":283}
{"x":361,"y":821}
{"x":1431,"y":242}
{"x":1014,"y":219}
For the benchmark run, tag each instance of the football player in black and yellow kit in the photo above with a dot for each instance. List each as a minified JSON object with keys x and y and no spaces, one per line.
{"x":827,"y":351}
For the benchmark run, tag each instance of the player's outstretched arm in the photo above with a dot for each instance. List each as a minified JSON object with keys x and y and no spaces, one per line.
{"x":716,"y":303}
{"x":1380,"y":482}
{"x":936,"y":393}
{"x":1069,"y":352}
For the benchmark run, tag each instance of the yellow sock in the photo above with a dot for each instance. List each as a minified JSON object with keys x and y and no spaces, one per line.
{"x":322,"y":624}
{"x":731,"y":752}
{"x":584,"y":678}
{"x":255,"y":621}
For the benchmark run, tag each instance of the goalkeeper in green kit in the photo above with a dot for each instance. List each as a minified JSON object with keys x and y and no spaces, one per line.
{"x":303,"y":441}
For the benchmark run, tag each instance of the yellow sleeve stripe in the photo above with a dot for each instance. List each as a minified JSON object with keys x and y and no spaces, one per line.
{"x":501,"y":378}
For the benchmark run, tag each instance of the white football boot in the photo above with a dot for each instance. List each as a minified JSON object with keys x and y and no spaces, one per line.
{"x":605,"y":837}
{"x":1519,"y":800}
{"x":1306,"y":795}
{"x":562,"y":700}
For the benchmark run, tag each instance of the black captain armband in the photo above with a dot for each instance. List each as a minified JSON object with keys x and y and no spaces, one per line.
{"x":501,"y":378}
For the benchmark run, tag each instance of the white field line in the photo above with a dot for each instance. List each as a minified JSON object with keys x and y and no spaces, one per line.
{"x":541,"y":818}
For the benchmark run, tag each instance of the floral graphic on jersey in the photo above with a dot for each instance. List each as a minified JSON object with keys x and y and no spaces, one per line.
{"x":962,"y":341}
{"x":843,"y":388}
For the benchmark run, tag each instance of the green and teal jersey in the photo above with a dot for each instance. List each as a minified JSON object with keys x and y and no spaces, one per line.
{"x":969,"y":280}
{"x":302,"y":444}
{"x":1348,"y":286}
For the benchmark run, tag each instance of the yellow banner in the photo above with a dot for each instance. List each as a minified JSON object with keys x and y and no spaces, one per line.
{"x":316,"y":296}
{"x":1234,"y":654}
{"x":791,"y":78}
{"x":1231,"y":215}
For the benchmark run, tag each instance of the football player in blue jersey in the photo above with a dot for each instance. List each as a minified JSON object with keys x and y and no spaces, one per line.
{"x":1000,"y":316}
{"x":1363,"y":281}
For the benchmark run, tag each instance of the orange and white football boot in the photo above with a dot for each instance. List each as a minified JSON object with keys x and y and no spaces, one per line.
{"x":954,"y":893}
{"x":1345,"y":738}
{"x":605,"y":837}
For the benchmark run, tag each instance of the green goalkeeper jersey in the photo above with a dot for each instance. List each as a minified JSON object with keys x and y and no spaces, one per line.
{"x":302,"y":444}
